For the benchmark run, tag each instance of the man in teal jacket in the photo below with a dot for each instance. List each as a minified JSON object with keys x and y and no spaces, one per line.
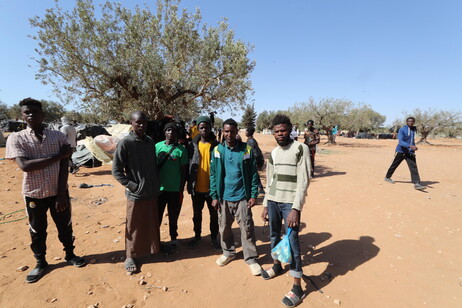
{"x":234,"y":189}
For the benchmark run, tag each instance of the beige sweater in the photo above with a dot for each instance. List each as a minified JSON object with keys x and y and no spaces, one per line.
{"x":288,"y":175}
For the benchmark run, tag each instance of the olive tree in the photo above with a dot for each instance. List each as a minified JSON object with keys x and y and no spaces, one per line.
{"x":161,"y":61}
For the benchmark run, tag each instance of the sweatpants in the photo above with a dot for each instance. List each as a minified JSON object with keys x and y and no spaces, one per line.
{"x":198,"y":200}
{"x":171,"y":199}
{"x":411,"y":162}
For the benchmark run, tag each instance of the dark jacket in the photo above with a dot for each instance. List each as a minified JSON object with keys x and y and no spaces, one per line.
{"x":135,"y":166}
{"x":260,"y":160}
{"x":195,"y":158}
{"x":246,"y":164}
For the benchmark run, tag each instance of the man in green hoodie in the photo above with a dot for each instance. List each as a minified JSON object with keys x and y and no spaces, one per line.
{"x":234,"y":189}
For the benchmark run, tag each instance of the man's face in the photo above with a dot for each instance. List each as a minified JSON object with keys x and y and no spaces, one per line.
{"x":33,"y":115}
{"x":310,"y":124}
{"x":229,"y":133}
{"x":281,"y":133}
{"x":410,"y":122}
{"x":170,"y":134}
{"x":204,"y":129}
{"x":139,"y":124}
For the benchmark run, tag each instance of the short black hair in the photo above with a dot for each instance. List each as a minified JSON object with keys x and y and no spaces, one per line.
{"x":230,"y":121}
{"x":310,"y":121}
{"x":282,"y":119}
{"x":410,"y":118}
{"x":139,"y":114}
{"x":30,"y":102}
{"x":250,"y":130}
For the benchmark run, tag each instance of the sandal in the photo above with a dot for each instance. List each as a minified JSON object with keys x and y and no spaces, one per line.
{"x":291,"y":299}
{"x":77,"y":261}
{"x":36,"y":273}
{"x":130,"y":265}
{"x":270,"y":273}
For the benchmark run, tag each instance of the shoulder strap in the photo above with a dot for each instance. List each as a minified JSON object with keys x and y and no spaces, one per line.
{"x":166,"y":157}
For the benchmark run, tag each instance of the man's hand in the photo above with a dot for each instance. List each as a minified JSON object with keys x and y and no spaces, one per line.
{"x":61,"y":202}
{"x":251,"y":202}
{"x":293,"y":218}
{"x":264,"y":214}
{"x":413,"y":147}
{"x":216,"y":204}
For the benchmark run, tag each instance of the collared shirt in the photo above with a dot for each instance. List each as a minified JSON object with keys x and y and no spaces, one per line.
{"x":41,"y":183}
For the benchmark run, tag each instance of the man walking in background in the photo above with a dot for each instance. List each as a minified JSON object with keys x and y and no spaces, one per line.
{"x":71,"y":134}
{"x":135,"y":167}
{"x":288,"y":178}
{"x":43,"y":155}
{"x":405,"y":150}
{"x":200,"y":151}
{"x":234,"y":189}
{"x":311,"y":140}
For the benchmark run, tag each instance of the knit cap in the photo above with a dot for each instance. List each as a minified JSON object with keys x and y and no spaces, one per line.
{"x":205,"y":119}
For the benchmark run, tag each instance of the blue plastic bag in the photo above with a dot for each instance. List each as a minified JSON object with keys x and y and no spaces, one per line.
{"x":282,"y":251}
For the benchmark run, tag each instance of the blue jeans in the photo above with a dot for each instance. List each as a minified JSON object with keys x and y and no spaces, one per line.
{"x":278,"y":211}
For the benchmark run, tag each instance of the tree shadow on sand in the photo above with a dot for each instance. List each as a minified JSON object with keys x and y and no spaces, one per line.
{"x":342,"y":256}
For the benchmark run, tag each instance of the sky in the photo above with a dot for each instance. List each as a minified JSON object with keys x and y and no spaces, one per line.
{"x":393,"y":55}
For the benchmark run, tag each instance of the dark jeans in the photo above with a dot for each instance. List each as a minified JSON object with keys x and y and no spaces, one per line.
{"x":172,"y":200}
{"x":198,"y":200}
{"x":411,"y":162}
{"x":278,"y":211}
{"x":37,"y":212}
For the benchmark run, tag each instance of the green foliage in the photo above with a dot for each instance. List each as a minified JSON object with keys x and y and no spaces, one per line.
{"x":161,"y":62}
{"x":434,"y":121}
{"x":249,"y":117}
{"x":265,"y":119}
{"x":4,"y":111}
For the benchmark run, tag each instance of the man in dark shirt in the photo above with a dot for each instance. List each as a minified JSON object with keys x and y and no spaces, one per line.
{"x":135,"y":167}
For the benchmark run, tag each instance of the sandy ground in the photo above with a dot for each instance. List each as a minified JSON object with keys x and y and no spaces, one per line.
{"x":366,"y":243}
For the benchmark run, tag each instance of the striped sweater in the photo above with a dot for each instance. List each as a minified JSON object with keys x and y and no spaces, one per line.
{"x":287,"y":174}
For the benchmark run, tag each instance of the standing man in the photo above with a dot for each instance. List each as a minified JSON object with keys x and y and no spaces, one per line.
{"x":259,"y":159}
{"x":287,"y":182}
{"x":71,"y":134}
{"x":311,"y":140}
{"x":173,"y":165}
{"x":234,"y":189}
{"x":43,"y":155}
{"x":135,"y":167}
{"x":405,"y":150}
{"x":200,"y":151}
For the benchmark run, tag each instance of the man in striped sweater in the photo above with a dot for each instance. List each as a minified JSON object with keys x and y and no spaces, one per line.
{"x":287,"y":175}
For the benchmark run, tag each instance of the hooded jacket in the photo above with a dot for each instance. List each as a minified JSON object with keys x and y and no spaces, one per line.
{"x":406,"y":137}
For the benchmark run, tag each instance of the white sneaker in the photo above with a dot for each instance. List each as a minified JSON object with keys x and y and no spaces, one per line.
{"x":223,"y":260}
{"x":255,"y":269}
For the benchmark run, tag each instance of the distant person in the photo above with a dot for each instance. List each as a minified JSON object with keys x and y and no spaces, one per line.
{"x":219,"y":135}
{"x":311,"y":140}
{"x":173,"y":166}
{"x":193,"y":132}
{"x":199,"y":181}
{"x":135,"y":167}
{"x":259,"y":159}
{"x":405,"y":150}
{"x":294,"y":133}
{"x":334,"y":133}
{"x":43,"y":156}
{"x":287,"y":182}
{"x":234,"y":189}
{"x":71,"y":134}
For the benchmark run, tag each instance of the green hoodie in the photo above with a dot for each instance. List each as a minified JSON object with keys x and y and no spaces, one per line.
{"x":247,"y":165}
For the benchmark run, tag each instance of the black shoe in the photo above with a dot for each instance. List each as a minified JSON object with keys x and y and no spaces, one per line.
{"x":37,"y":272}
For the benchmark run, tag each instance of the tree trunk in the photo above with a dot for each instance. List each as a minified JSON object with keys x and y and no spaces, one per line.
{"x":423,"y":138}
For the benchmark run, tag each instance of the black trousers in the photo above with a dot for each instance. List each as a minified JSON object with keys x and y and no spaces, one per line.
{"x":411,"y":162}
{"x":171,"y":199}
{"x":37,"y":212}
{"x":312,"y":154}
{"x":198,"y":200}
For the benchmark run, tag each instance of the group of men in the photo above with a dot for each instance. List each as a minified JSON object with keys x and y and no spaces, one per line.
{"x":222,"y":175}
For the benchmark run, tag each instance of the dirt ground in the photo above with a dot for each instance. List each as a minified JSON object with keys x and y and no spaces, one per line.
{"x":365,"y":243}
